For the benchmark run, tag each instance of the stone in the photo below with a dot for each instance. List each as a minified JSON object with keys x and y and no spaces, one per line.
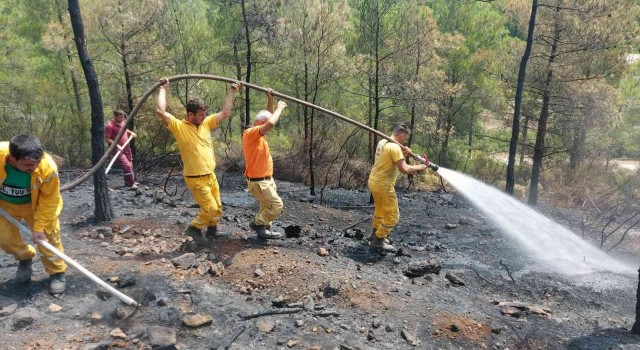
{"x":96,"y":317}
{"x":105,"y":231}
{"x":216,"y":269}
{"x":423,"y":267}
{"x":265,"y":325}
{"x":510,"y":310}
{"x":125,"y":280}
{"x":259,"y":273}
{"x":299,"y":323}
{"x":119,"y":313}
{"x":468,"y":221}
{"x":143,"y":296}
{"x":455,"y":280}
{"x":410,"y":338}
{"x":197,"y":320}
{"x":7,"y":306}
{"x":280,"y":301}
{"x":450,"y":226}
{"x":185,"y":261}
{"x":292,"y":231}
{"x":331,"y":289}
{"x":162,"y":337}
{"x":118,"y":334}
{"x":322,"y":251}
{"x":103,"y":294}
{"x":54,"y":308}
{"x":371,"y":336}
{"x":24,"y":318}
{"x":292,"y":342}
{"x":98,"y":346}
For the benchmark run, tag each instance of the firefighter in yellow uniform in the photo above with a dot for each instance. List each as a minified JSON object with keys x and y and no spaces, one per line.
{"x":259,"y":169}
{"x":193,"y":136}
{"x":30,"y":191}
{"x":389,"y":159}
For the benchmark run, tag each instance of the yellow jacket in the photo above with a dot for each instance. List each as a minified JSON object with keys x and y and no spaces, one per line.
{"x":46,"y":201}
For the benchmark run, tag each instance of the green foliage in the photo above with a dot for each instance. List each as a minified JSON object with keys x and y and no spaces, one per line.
{"x":447,"y":65}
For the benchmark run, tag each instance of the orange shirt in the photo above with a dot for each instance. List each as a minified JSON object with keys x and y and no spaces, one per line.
{"x":257,"y":158}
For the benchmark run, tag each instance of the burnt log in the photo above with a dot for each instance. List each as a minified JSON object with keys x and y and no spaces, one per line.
{"x":423,"y":267}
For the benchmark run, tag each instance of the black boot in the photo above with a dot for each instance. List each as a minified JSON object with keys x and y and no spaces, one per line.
{"x":57,"y":283}
{"x":196,"y":234}
{"x":262,"y":232}
{"x":23,"y":274}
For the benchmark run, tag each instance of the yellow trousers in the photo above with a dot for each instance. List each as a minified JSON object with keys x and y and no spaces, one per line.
{"x":206,"y":193}
{"x":12,"y":243}
{"x":271,"y":205}
{"x":386,"y":214}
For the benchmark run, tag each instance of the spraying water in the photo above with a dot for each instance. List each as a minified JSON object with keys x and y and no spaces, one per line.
{"x":552,"y":244}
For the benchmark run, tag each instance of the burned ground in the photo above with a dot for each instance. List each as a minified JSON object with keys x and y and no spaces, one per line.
{"x":327,"y":290}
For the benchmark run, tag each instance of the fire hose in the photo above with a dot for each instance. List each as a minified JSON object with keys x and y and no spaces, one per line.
{"x":155,"y":86}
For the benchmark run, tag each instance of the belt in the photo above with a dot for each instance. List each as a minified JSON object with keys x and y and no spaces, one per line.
{"x":196,"y":176}
{"x":254,"y":179}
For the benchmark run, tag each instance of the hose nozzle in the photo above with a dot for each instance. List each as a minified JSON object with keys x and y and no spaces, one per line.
{"x":425,"y":160}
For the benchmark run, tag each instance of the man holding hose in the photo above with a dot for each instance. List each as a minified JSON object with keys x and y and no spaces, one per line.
{"x":389,"y":159}
{"x":193,"y":136}
{"x":30,"y":191}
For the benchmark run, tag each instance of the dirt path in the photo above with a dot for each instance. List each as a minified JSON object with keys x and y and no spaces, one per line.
{"x":347,"y":298}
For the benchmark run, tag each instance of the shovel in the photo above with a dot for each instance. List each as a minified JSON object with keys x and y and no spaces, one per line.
{"x":126,"y":299}
{"x":118,"y":154}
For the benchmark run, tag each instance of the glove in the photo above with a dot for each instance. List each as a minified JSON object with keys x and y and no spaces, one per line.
{"x":426,"y":160}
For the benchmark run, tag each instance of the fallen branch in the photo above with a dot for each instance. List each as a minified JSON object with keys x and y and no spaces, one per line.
{"x":325,"y":313}
{"x":508,"y":272}
{"x":477,"y":273}
{"x":354,"y":225}
{"x":226,"y":344}
{"x":272,"y":312}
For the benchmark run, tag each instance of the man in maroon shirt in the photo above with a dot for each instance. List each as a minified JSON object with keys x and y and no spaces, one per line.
{"x":125,"y":159}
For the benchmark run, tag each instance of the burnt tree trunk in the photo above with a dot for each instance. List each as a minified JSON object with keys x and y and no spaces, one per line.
{"x":539,"y":148}
{"x":636,"y":325}
{"x":515,"y":128}
{"x":247,"y":34}
{"x":103,"y":211}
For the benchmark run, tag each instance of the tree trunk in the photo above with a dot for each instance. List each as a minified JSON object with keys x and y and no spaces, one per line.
{"x":538,"y":150}
{"x":247,"y":103}
{"x":127,"y":84}
{"x":636,"y":325}
{"x":576,"y":155}
{"x":525,"y":130}
{"x":515,"y":128}
{"x":103,"y":211}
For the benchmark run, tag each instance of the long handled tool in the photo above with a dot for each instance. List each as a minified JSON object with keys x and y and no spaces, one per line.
{"x":113,"y":160}
{"x":126,"y":299}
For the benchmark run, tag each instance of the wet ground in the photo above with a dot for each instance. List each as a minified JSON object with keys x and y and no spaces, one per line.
{"x":321,"y":284}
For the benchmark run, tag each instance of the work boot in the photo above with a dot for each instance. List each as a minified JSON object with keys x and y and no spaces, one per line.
{"x":380,"y":245}
{"x":212,"y":231}
{"x":23,"y":274}
{"x":373,"y":234}
{"x":196,"y":234}
{"x":57,"y":283}
{"x":262,"y":232}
